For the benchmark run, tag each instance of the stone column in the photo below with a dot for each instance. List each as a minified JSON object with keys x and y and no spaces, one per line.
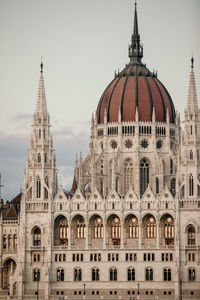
{"x":86,"y":230}
{"x":1,"y":278}
{"x":122,"y":234}
{"x":157,"y":232}
{"x":140,"y":233}
{"x":69,"y":233}
{"x":104,"y":233}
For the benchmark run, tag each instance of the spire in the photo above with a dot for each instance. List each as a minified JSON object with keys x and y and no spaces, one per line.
{"x":192,"y":94}
{"x":135,"y":49}
{"x":41,"y":101}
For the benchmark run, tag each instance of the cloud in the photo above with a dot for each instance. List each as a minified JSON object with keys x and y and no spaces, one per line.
{"x":13,"y":152}
{"x":22,"y":121}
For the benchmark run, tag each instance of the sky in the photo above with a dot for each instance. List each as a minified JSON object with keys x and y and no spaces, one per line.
{"x":82,"y":43}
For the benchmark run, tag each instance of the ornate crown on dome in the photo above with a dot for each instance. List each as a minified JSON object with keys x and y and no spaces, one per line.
{"x":135,"y":91}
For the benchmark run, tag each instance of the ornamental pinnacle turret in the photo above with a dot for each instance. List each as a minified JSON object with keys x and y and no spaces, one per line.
{"x":41,"y":178}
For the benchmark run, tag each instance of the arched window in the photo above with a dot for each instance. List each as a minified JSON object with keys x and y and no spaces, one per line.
{"x":45,"y":157}
{"x":63,"y":232}
{"x":128,"y":174}
{"x":150,"y":228}
{"x":9,"y":241}
{"x":45,"y":193}
{"x":4,"y":241}
{"x":191,"y":154}
{"x":15,"y":241}
{"x":157,"y":185}
{"x":167,"y":275}
{"x":144,"y":176}
{"x":98,"y":228}
{"x":116,"y":229}
{"x":60,"y":275}
{"x":39,"y":158}
{"x":191,"y":185}
{"x":133,"y":228}
{"x":173,"y":186}
{"x":171,"y":166}
{"x":37,"y":237}
{"x":191,"y":235}
{"x":131,"y":274}
{"x":148,"y":274}
{"x":191,"y":274}
{"x":36,"y":275}
{"x":80,"y":229}
{"x":95,"y":274}
{"x":77,"y":274}
{"x":169,"y":228}
{"x":38,"y":191}
{"x":113,"y":274}
{"x":117,"y":185}
{"x":39,"y":133}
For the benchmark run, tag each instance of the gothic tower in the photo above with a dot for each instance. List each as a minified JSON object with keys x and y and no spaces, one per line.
{"x":40,"y":187}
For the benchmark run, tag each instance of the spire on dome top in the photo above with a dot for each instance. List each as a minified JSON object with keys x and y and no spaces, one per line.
{"x":135,"y":49}
{"x":41,"y":66}
{"x":192,"y":94}
{"x":41,"y":101}
{"x":192,"y":62}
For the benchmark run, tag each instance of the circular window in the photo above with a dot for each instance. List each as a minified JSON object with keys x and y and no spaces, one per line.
{"x":99,"y":220}
{"x":169,"y":220}
{"x":128,"y":144}
{"x":159,"y":144}
{"x":134,"y":220}
{"x":113,"y":144}
{"x":144,"y":144}
{"x":60,"y":196}
{"x":95,"y":196}
{"x":151,"y":220}
{"x":116,"y":220}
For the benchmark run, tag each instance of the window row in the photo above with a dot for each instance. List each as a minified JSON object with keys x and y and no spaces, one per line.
{"x":115,"y":257}
{"x":114,"y":231}
{"x":113,"y":273}
{"x":9,"y":241}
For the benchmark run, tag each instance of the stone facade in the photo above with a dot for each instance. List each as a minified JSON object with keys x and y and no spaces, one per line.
{"x":128,"y":229}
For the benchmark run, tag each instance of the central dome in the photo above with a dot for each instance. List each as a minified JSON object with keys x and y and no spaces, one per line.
{"x":135,"y":88}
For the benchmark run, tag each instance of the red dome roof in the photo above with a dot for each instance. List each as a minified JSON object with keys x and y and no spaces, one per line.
{"x":135,"y":87}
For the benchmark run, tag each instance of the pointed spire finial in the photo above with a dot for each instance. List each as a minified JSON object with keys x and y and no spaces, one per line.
{"x":41,"y":66}
{"x":135,"y":49}
{"x":192,"y":62}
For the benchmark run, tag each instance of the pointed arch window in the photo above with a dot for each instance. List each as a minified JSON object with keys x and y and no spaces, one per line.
{"x":113,"y":274}
{"x":60,"y":274}
{"x":149,"y":274}
{"x":173,"y":186}
{"x":95,"y":274}
{"x":45,"y":157}
{"x":98,"y":228}
{"x":133,"y":228}
{"x":128,"y":174}
{"x":191,"y":274}
{"x":191,"y":185}
{"x":38,"y":187}
{"x":116,"y":229}
{"x":144,"y":176}
{"x":39,"y":158}
{"x":191,"y":155}
{"x":77,"y":274}
{"x":157,"y":185}
{"x":167,"y":274}
{"x":131,"y":274}
{"x":37,"y":237}
{"x":171,"y":166}
{"x":36,"y":275}
{"x":39,"y":133}
{"x":15,"y":241}
{"x":191,"y":235}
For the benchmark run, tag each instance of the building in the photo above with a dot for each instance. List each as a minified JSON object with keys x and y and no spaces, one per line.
{"x":130,"y":226}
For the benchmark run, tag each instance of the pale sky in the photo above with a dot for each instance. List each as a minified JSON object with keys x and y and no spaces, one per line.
{"x":82,"y":43}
